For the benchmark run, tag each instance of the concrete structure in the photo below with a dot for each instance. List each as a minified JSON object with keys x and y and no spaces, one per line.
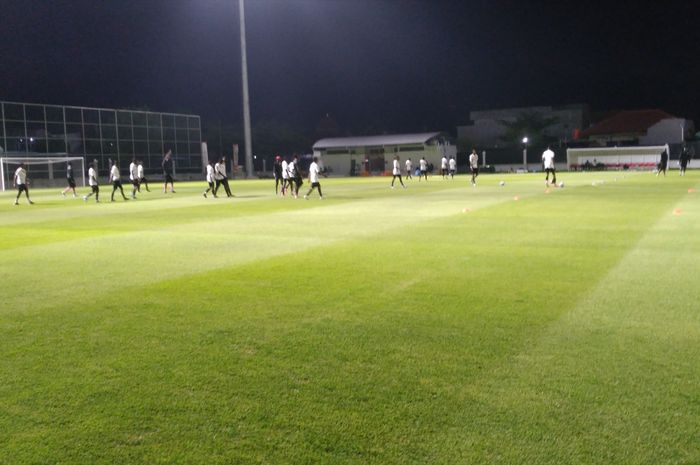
{"x":639,"y":127}
{"x":28,"y":129}
{"x":374,"y":154}
{"x":486,"y":130}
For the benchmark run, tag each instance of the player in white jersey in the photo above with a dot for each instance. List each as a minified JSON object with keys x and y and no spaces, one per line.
{"x":115,"y":178}
{"x":396,"y":172}
{"x":294,"y":176}
{"x":221,"y":177}
{"x":548,"y":162}
{"x":285,"y":176}
{"x":92,"y":182}
{"x":443,"y":167}
{"x":314,"y":173}
{"x":141,"y":176}
{"x":134,"y":177}
{"x":20,"y":182}
{"x":423,"y":165}
{"x":409,"y":168}
{"x":210,"y":180}
{"x":453,"y":167}
{"x":474,"y":166}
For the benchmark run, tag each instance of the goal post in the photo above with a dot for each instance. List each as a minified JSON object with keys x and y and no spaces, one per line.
{"x":635,"y":157}
{"x":39,"y":169}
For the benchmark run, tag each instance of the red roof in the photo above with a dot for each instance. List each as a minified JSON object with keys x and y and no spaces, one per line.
{"x":627,"y":122}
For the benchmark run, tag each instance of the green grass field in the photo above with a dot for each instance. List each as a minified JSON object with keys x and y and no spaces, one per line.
{"x":441,"y":324}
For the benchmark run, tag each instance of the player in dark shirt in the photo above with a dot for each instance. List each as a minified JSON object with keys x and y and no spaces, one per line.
{"x":684,"y":159}
{"x":277,"y":171}
{"x":168,"y":172}
{"x":70,"y":179}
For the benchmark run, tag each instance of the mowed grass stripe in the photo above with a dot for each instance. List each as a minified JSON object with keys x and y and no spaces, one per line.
{"x":101,"y":256}
{"x":613,"y":379}
{"x":371,"y":350}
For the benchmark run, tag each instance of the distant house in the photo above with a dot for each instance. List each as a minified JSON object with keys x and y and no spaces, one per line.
{"x":638,"y":127}
{"x":485,"y":129}
{"x":374,"y":154}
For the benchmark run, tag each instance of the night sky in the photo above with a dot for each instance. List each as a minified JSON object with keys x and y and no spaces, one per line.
{"x":390,"y":65}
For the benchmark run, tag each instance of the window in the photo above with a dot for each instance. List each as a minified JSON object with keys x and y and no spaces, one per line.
{"x":336,"y":151}
{"x":376,"y":151}
{"x":411,"y":148}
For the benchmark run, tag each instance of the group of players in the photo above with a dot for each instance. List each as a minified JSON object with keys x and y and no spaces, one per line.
{"x":288,"y":178}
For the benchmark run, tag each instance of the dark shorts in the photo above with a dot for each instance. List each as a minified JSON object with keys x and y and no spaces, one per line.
{"x":315,"y":184}
{"x":423,"y":172}
{"x":168,"y":177}
{"x":71,"y":183}
{"x":116,"y":184}
{"x":135,"y":182}
{"x":143,"y":180}
{"x":211,"y":184}
{"x":95,"y":189}
{"x":475,"y":170}
{"x":453,"y":171}
{"x":22,"y":188}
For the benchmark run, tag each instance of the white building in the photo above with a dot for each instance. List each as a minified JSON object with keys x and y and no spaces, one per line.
{"x":343,"y":156}
{"x":486,"y":128}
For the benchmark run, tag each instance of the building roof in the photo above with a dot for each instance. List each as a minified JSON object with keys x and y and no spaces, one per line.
{"x":627,"y":122}
{"x":375,"y":141}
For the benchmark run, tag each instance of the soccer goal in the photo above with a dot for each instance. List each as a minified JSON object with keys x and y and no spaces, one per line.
{"x":42,"y":171}
{"x":635,"y":158}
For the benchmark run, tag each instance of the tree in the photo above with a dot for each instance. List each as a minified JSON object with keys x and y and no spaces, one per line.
{"x":531,"y":125}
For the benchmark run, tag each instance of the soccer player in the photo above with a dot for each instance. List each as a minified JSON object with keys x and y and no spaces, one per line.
{"x":409,"y":168}
{"x":453,"y":167}
{"x":115,"y":177}
{"x":683,"y":159}
{"x":70,"y":179}
{"x":210,"y":180}
{"x":20,"y":182}
{"x":548,"y":162}
{"x":396,"y":172}
{"x":168,"y":172}
{"x":277,"y":172}
{"x":314,"y":172}
{"x":663,"y":163}
{"x":443,"y":167}
{"x":285,"y":176}
{"x":134,"y":177}
{"x":92,"y":182}
{"x":423,"y":165}
{"x":221,"y":177}
{"x":474,"y":166}
{"x":293,"y":176}
{"x":141,"y":176}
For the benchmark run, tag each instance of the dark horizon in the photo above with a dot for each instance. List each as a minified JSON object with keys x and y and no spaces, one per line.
{"x":383,"y":65}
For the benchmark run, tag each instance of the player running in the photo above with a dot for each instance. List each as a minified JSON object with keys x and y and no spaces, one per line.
{"x":663,"y":163}
{"x":396,"y":172}
{"x":423,"y":165}
{"x":548,"y":162}
{"x":115,"y":178}
{"x":474,"y":166}
{"x":92,"y":182}
{"x":210,"y":180}
{"x":20,"y":182}
{"x":314,"y":172}
{"x":70,"y":179}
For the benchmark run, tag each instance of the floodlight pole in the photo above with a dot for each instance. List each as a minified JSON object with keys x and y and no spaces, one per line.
{"x":525,"y":140}
{"x":246,"y":97}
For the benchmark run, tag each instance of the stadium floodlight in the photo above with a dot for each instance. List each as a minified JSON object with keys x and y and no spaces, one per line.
{"x":525,"y":141}
{"x":246,"y":96}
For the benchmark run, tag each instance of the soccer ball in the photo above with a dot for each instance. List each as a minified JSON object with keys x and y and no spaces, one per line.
{"x":502,"y":183}
{"x":561,"y":184}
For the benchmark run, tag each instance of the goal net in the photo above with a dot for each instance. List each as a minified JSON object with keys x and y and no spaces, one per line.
{"x":642,"y":157}
{"x":42,"y":171}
